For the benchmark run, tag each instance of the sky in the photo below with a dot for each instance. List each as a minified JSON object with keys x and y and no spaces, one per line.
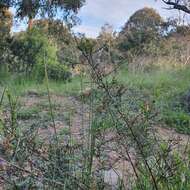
{"x":95,"y":13}
{"x":115,"y":12}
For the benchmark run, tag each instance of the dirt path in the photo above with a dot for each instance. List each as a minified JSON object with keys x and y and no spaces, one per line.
{"x":69,"y":114}
{"x":78,"y":116}
{"x":78,"y":125}
{"x":171,"y":135}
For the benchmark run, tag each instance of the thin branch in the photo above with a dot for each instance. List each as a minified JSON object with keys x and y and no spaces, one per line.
{"x":177,"y":5}
{"x":36,"y":176}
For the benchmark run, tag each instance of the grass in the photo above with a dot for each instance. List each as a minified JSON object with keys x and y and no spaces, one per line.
{"x":166,"y":88}
{"x":25,"y":114}
{"x":21,"y":86}
{"x":159,"y":83}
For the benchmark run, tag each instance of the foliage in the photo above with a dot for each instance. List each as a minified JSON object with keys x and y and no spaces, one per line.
{"x":181,"y":30}
{"x":56,"y":30}
{"x":143,"y":27}
{"x":33,"y":50}
{"x":106,"y":34}
{"x":179,"y":120}
{"x":115,"y":109}
{"x":56,"y":71}
{"x":109,"y":55}
{"x":158,"y":86}
{"x":50,"y":141}
{"x":5,"y":28}
{"x":177,"y":177}
{"x":31,"y":9}
{"x":30,"y":48}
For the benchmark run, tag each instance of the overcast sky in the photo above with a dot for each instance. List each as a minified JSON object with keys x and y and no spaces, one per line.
{"x":96,"y":13}
{"x":116,"y":12}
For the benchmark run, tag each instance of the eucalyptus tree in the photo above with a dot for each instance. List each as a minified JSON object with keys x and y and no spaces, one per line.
{"x":48,"y":8}
{"x":143,"y":27}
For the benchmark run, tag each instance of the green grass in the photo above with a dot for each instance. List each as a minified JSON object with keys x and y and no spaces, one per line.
{"x":29,"y":113}
{"x":160,"y":82}
{"x":166,"y":88}
{"x":21,"y":86}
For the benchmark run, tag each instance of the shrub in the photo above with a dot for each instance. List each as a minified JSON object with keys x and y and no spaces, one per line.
{"x":33,"y":50}
{"x":55,"y":71}
{"x":28,"y":47}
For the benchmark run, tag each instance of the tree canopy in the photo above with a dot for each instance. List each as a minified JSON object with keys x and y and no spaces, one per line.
{"x":144,"y":26}
{"x":30,"y":8}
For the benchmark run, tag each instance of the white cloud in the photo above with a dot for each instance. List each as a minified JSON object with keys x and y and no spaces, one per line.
{"x":115,"y":12}
{"x":89,"y":31}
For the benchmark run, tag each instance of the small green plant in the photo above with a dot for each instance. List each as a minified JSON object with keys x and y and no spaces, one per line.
{"x":178,"y":120}
{"x":55,"y":71}
{"x":28,"y":113}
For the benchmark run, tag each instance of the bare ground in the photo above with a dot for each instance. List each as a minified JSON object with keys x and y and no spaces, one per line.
{"x":78,"y":121}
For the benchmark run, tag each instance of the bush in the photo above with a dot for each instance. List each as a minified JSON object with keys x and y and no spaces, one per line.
{"x":33,"y":50}
{"x":55,"y":71}
{"x":28,"y":47}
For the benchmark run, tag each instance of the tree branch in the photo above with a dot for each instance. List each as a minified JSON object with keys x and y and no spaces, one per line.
{"x":176,"y":5}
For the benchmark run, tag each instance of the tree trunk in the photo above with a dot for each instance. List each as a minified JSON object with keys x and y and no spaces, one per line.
{"x":30,"y":23}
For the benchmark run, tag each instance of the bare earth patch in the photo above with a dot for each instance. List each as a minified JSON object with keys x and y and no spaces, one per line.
{"x":77,"y":122}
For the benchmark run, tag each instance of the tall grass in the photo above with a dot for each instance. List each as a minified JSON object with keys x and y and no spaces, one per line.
{"x":64,"y":165}
{"x":166,"y":87}
{"x":22,"y":85}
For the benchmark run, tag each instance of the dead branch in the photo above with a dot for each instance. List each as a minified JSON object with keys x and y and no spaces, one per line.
{"x":177,"y":4}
